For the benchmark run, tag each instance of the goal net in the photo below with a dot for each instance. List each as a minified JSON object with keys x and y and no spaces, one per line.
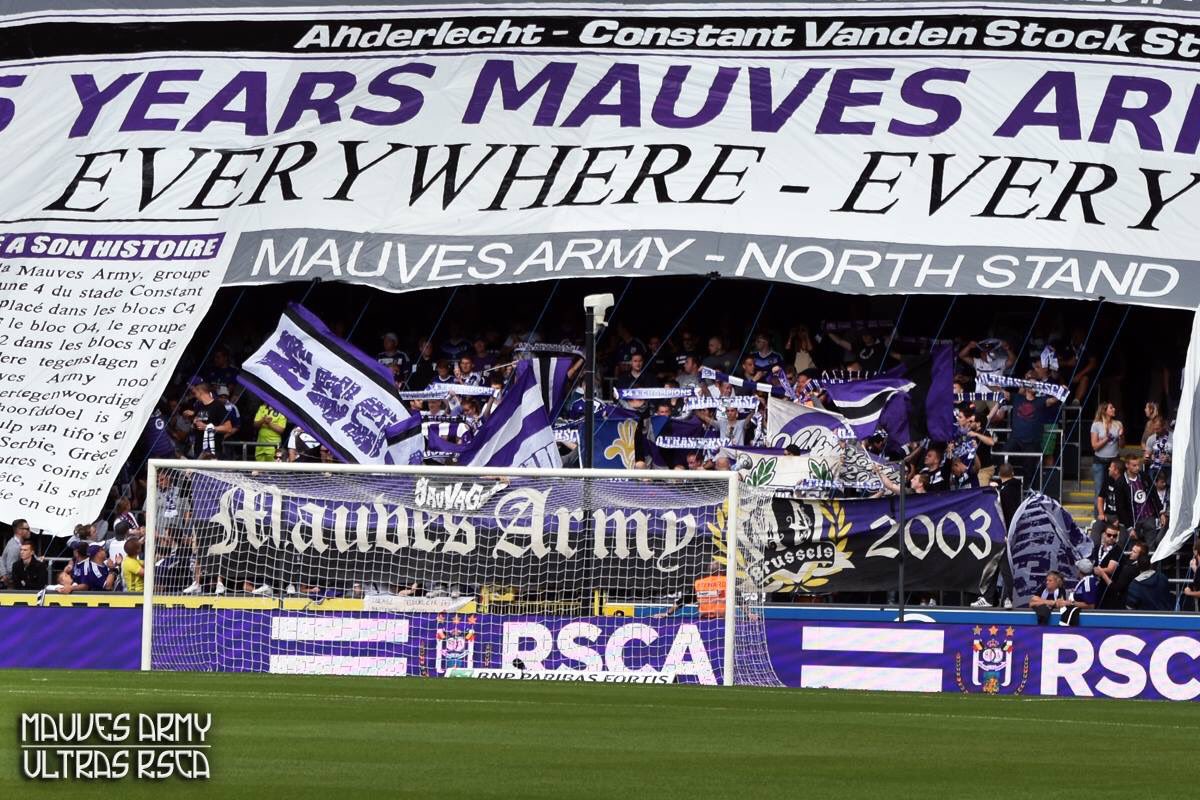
{"x":550,"y":574}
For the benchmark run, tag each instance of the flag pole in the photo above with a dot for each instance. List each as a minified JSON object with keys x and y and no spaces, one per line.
{"x":903,"y":548}
{"x":595,"y":308}
{"x":589,"y":389}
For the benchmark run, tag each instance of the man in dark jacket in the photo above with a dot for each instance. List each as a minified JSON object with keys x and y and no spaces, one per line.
{"x":1010,"y":493}
{"x":1135,"y":495}
{"x":30,"y":571}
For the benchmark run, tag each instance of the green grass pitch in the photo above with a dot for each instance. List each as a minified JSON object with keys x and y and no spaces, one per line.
{"x":340,"y":738}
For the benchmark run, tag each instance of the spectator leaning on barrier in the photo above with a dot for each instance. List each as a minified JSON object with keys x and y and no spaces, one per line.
{"x":1053,"y":596}
{"x":93,"y":572}
{"x":1149,"y":590}
{"x":12,"y":550}
{"x":1086,"y":593}
{"x":30,"y":572}
{"x":72,"y":573}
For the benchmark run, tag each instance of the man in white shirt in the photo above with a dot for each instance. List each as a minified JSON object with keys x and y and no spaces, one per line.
{"x":690,"y":374}
{"x":988,"y":357}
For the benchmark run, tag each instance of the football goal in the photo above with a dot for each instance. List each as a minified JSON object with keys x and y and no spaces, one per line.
{"x":597,"y":575}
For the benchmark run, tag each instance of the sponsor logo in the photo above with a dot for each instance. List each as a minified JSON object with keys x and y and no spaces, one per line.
{"x":454,"y":496}
{"x":991,"y":663}
{"x":562,"y":674}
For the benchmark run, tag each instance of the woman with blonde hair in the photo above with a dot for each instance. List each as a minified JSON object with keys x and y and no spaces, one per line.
{"x":1108,"y":435}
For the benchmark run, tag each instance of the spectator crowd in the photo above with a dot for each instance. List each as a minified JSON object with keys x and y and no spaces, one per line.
{"x":1008,"y":431}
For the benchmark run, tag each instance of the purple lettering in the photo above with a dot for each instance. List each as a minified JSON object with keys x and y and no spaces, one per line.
{"x":408,"y":100}
{"x":151,"y":94}
{"x":627,"y":108}
{"x":1113,"y":110}
{"x":332,"y":394}
{"x":305,"y":97}
{"x":292,"y":361}
{"x":672,"y":86}
{"x":767,"y":118}
{"x":843,"y":96}
{"x":554,"y":78}
{"x":368,"y":422}
{"x":946,"y":107}
{"x":92,"y":99}
{"x":252,"y":116}
{"x":1065,"y":116}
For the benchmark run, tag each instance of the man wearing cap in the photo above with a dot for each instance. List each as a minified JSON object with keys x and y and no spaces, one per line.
{"x":392,"y":357}
{"x":988,"y":357}
{"x":1086,"y":593}
{"x":93,"y":573}
{"x":233,"y":416}
{"x":74,"y":567}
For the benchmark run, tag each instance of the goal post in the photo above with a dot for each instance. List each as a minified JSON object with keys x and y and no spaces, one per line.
{"x":562,"y":574}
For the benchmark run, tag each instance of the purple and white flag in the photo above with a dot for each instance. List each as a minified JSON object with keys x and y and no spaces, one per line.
{"x":344,"y":398}
{"x":861,"y":402}
{"x":553,"y":375}
{"x":517,"y":433}
{"x":1043,"y":536}
{"x":805,"y":427}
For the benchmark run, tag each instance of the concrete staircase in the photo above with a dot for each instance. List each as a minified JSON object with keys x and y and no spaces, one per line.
{"x":1080,"y":498}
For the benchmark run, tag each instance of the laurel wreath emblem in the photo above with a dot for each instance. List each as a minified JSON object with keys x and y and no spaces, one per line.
{"x":812,"y":576}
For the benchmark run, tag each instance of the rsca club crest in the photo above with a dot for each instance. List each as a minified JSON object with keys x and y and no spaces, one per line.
{"x":455,"y":643}
{"x":991,"y":664}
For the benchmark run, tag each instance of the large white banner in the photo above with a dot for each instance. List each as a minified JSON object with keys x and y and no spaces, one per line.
{"x":1037,"y":148}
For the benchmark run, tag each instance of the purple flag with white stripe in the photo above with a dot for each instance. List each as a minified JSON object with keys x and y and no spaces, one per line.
{"x":553,"y":376}
{"x":341,"y":396}
{"x":862,"y":402}
{"x":517,"y":433}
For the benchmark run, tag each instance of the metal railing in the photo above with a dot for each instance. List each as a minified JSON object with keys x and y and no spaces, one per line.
{"x":1054,"y":487}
